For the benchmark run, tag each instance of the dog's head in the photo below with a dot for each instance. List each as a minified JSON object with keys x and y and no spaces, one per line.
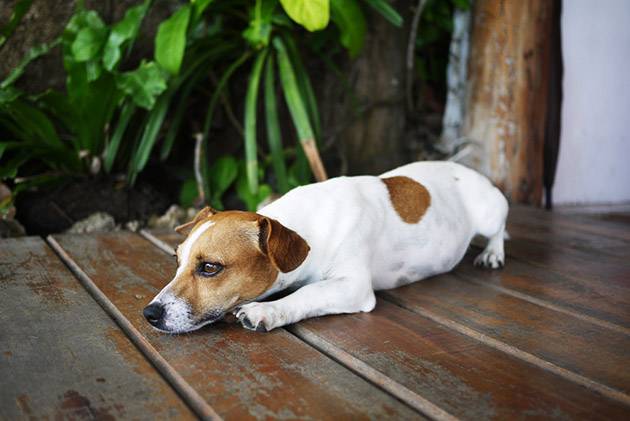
{"x":227,"y":259}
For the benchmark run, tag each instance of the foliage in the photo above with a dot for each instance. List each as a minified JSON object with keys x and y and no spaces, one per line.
{"x":110,"y":119}
{"x":433,"y":39}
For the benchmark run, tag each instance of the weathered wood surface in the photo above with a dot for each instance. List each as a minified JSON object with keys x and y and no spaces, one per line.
{"x":243,"y":375}
{"x":546,"y":337}
{"x":527,"y":308}
{"x":61,"y":356}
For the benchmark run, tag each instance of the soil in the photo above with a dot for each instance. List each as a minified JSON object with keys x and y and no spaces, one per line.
{"x":55,"y":210}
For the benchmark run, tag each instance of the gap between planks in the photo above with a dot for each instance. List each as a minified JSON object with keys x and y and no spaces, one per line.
{"x":542,"y":303}
{"x":401,"y":391}
{"x":538,"y":301}
{"x":355,"y":365}
{"x":516,"y":352}
{"x":181,"y":386}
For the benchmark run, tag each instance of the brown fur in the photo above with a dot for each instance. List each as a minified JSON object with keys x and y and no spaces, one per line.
{"x":409,"y":198}
{"x":252,"y":250}
{"x":202,"y":215}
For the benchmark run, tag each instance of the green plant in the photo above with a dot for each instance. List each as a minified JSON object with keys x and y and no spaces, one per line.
{"x":109,"y":119}
{"x":69,"y":131}
{"x":268,"y":39}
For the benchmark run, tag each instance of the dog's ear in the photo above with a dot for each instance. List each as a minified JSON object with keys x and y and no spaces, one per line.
{"x":204,"y":213}
{"x":284,"y":247}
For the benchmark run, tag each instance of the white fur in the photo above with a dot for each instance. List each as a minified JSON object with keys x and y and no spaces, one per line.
{"x":177,"y":311}
{"x":359,"y":243}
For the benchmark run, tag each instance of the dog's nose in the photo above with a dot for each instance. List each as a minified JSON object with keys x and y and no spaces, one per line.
{"x":153,"y":313}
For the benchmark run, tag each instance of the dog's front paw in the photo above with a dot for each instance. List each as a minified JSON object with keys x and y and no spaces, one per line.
{"x":261,"y":317}
{"x":490,"y":259}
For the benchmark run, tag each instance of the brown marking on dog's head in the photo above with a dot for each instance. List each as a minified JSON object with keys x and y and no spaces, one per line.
{"x":202,"y":215}
{"x":409,"y":198}
{"x":250,"y":250}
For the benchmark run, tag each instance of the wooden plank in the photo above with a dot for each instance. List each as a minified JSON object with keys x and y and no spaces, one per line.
{"x":451,"y":370}
{"x":606,"y":304}
{"x":576,"y":222}
{"x":571,"y":347}
{"x":555,"y":237}
{"x":61,"y":356}
{"x":242,"y":374}
{"x":587,"y":266}
{"x":466,"y":378}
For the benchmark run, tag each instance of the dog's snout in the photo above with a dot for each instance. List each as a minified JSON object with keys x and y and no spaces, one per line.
{"x":153,"y":313}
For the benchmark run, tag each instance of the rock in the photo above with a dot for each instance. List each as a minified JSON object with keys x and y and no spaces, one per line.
{"x":174,"y":216}
{"x":97,"y":222}
{"x":133,"y":226}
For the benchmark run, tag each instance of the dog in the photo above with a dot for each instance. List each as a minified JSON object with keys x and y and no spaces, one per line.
{"x":332,"y":244}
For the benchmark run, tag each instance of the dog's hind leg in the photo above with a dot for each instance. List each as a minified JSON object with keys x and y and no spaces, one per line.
{"x":493,"y":256}
{"x":493,"y":228}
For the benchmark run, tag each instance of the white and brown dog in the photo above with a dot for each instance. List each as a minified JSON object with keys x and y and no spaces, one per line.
{"x":333,"y":244}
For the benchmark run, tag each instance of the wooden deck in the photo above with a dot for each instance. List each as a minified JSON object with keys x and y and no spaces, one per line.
{"x":546,"y":337}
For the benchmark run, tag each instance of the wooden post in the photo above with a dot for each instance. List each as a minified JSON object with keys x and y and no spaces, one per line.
{"x":506,"y":107}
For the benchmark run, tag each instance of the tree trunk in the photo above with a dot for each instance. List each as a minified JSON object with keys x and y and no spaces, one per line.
{"x":507,"y":94}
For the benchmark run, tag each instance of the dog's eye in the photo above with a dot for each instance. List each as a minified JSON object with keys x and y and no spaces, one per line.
{"x":209,"y":269}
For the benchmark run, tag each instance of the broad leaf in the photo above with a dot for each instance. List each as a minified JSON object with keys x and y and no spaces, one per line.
{"x":124,"y":30}
{"x":143,"y":85}
{"x":170,"y":41}
{"x":311,"y":14}
{"x":351,"y":23}
{"x":89,"y":42}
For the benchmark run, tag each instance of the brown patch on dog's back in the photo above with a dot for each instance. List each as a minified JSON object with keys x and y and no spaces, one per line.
{"x":409,"y":198}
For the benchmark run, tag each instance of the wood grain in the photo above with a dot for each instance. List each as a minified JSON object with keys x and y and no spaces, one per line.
{"x":457,"y":373}
{"x":604,"y":301}
{"x":242,"y":374}
{"x":451,"y":370}
{"x":569,"y":343}
{"x":61,"y":356}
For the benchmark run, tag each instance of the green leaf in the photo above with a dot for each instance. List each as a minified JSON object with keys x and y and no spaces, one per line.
{"x":222,"y":174}
{"x":273,"y":129}
{"x":170,"y":41}
{"x":250,"y":199}
{"x":311,"y":14}
{"x":20,"y":9}
{"x":9,"y":169}
{"x":143,"y":85}
{"x":8,"y":95}
{"x":251,"y":100}
{"x":124,"y":30}
{"x":211,"y":106}
{"x":112,"y":149}
{"x":387,"y":11}
{"x":259,"y":29}
{"x":32,"y":54}
{"x":351,"y":23}
{"x":292,"y":93}
{"x":35,"y":123}
{"x":149,"y":136}
{"x":304,"y":85}
{"x":89,"y":42}
{"x":199,"y":6}
{"x":188,"y":193}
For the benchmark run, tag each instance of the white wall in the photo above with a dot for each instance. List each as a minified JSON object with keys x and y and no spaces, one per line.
{"x":594,"y":160}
